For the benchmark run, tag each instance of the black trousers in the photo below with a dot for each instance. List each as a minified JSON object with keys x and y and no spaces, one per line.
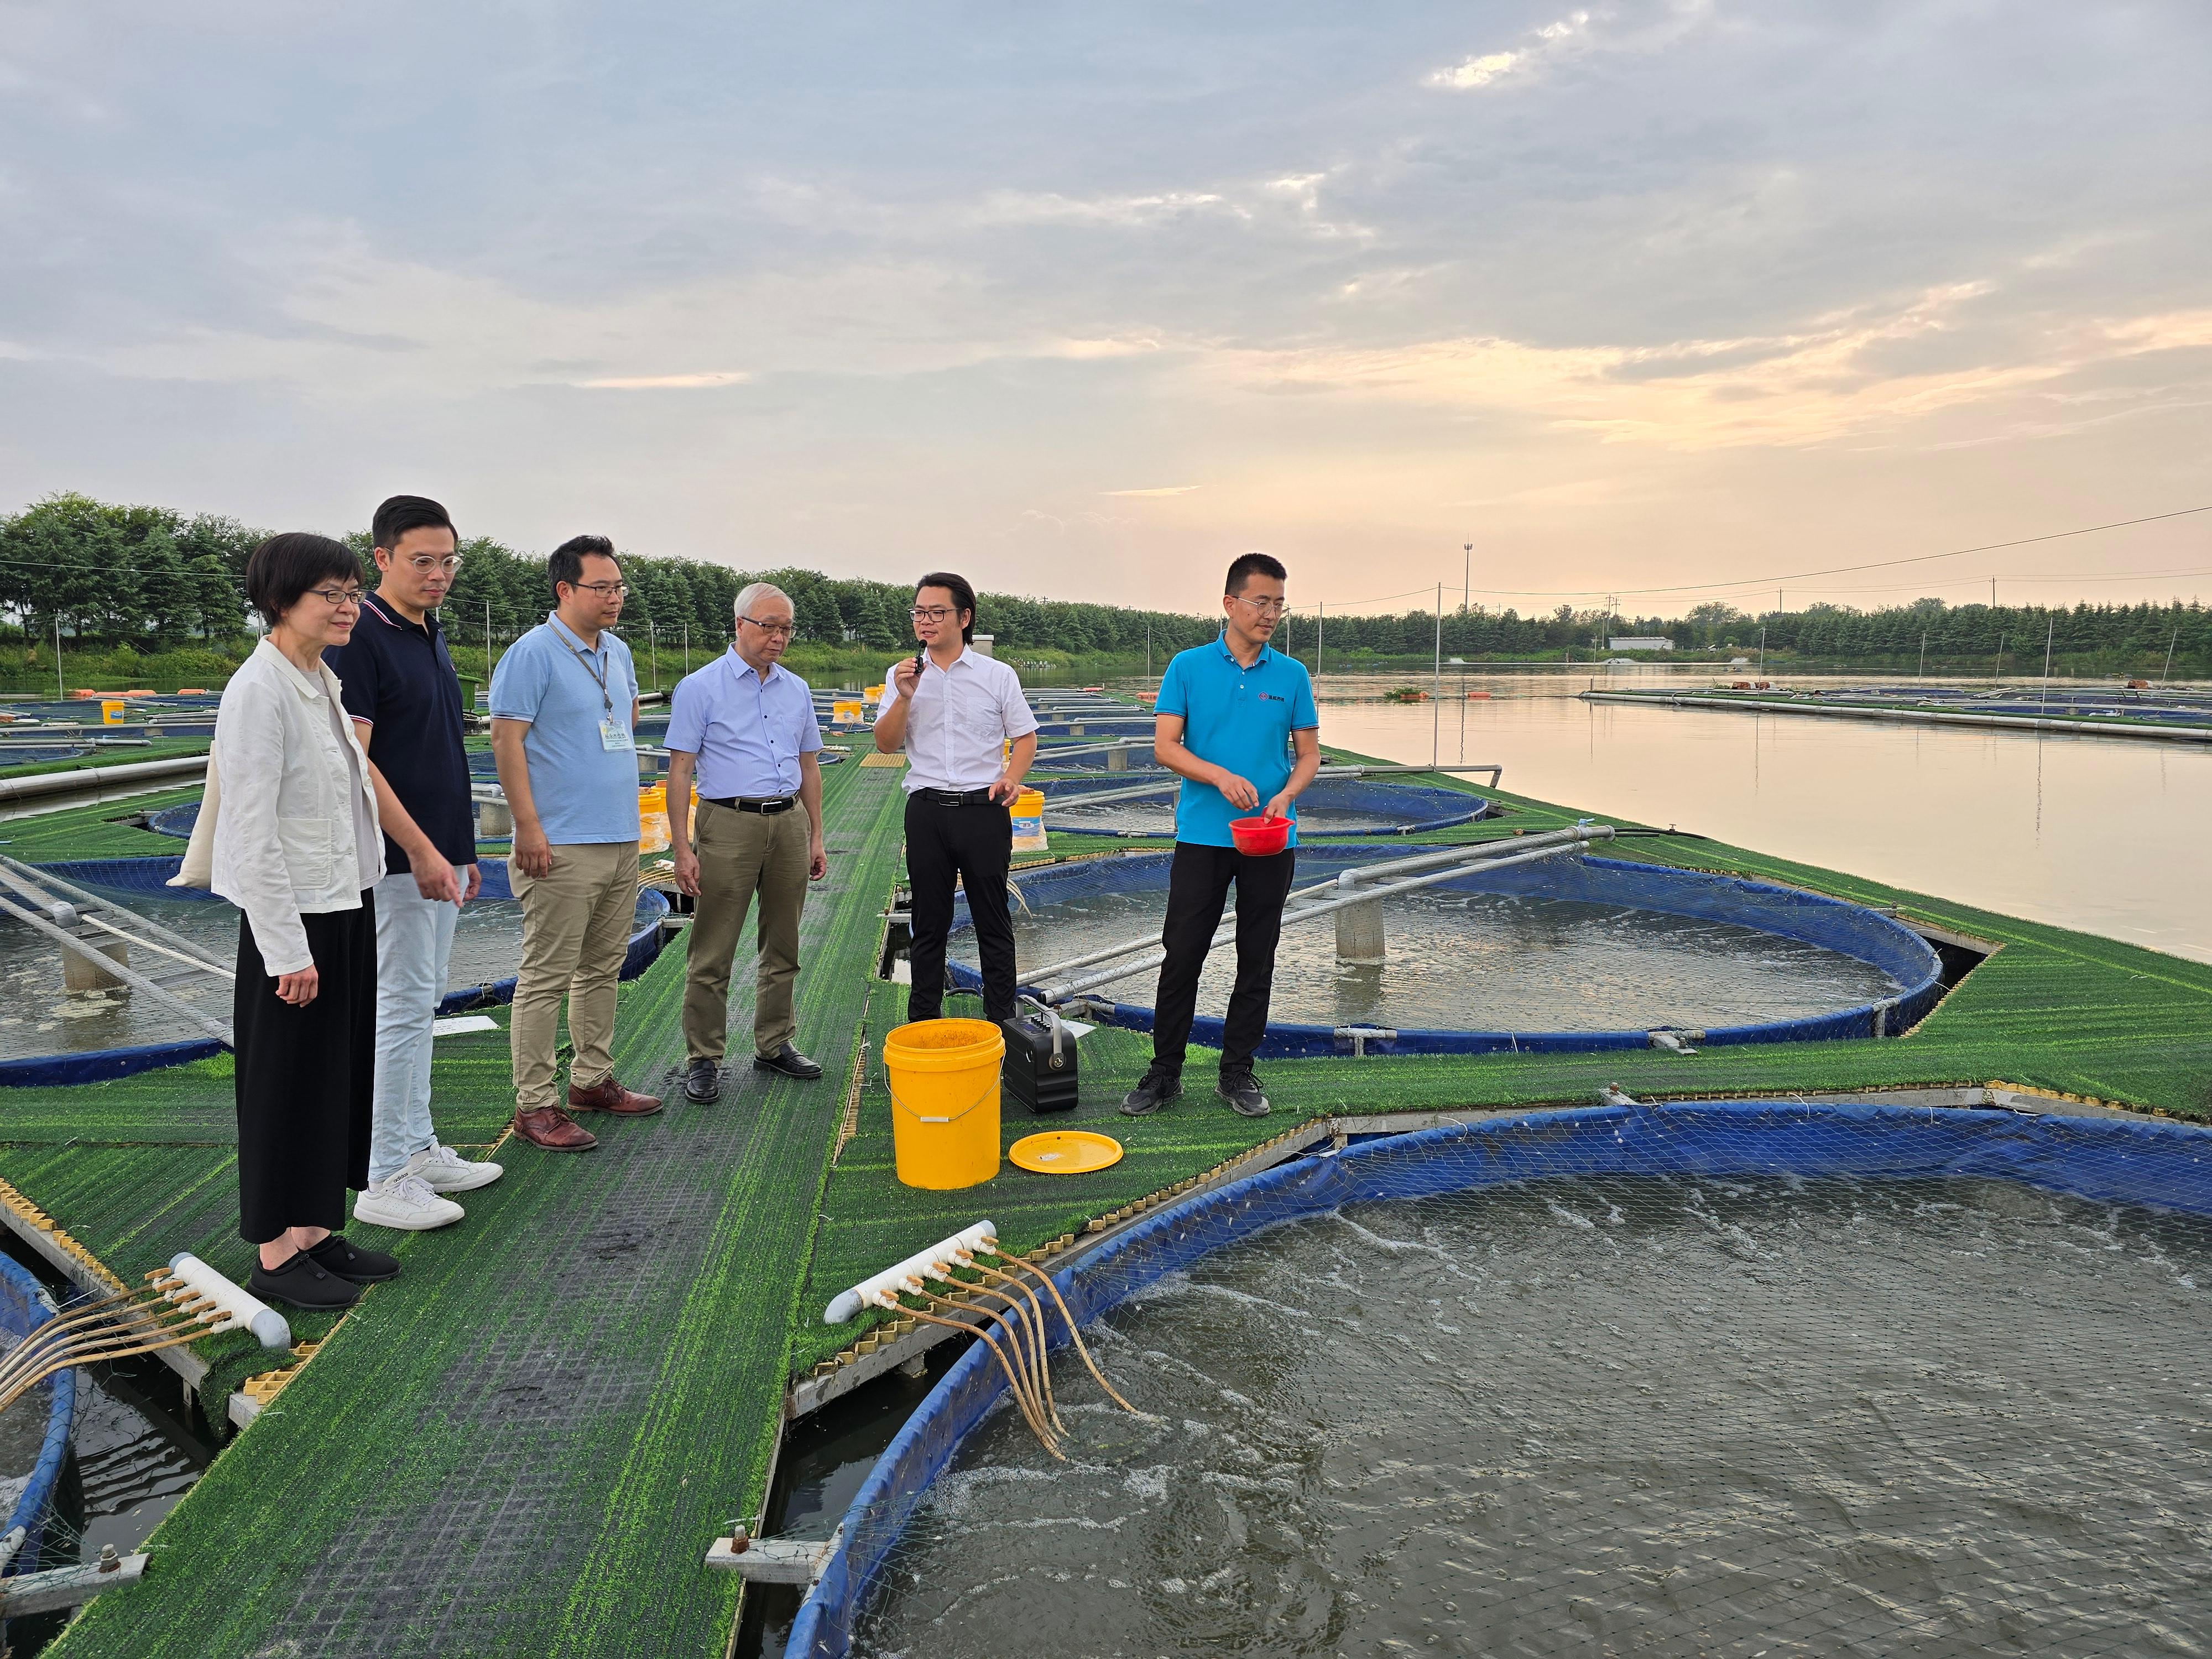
{"x":975,"y":843}
{"x":306,"y":1077}
{"x":1198,"y":887}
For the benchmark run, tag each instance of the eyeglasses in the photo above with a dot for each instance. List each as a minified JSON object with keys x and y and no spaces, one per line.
{"x":602,"y":588}
{"x":334,"y":597}
{"x":782,"y":630}
{"x":1264,"y":607}
{"x":425,"y":563}
{"x":933,"y":612}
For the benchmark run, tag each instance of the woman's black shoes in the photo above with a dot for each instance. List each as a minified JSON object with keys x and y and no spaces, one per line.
{"x":334,"y":1255}
{"x":303,"y":1282}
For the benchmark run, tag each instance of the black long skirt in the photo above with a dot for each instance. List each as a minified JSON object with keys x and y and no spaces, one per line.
{"x":306,"y":1078}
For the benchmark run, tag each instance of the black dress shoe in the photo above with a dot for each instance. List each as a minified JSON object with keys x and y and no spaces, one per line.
{"x":1154,"y":1090}
{"x":789,"y":1061}
{"x":303,"y":1284}
{"x":702,"y":1083}
{"x":335,"y":1255}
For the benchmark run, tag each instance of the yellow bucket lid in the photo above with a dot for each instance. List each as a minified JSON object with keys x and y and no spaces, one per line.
{"x":1065,"y":1151}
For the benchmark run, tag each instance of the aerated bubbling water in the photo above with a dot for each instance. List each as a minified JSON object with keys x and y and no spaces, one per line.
{"x":1617,"y":1416}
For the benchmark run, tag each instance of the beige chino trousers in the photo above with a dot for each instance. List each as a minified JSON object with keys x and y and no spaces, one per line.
{"x":742,"y":855}
{"x":576,"y":924}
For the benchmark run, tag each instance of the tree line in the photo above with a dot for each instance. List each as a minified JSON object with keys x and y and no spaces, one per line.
{"x":148,"y":579}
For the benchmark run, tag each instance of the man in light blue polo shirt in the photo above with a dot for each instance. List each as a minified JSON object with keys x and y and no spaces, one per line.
{"x":563,"y":732}
{"x":1228,"y":717}
{"x":747,"y":723}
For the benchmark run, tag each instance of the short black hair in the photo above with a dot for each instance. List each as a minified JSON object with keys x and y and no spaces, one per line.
{"x":402,"y":513}
{"x":1245,"y":566}
{"x":284,"y":567}
{"x":566,"y":562}
{"x":963,"y":598}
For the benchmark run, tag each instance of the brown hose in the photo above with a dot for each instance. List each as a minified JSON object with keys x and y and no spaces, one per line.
{"x":1021,"y":1393}
{"x":1029,"y":1352}
{"x":1042,"y":1330}
{"x":1074,"y":1334}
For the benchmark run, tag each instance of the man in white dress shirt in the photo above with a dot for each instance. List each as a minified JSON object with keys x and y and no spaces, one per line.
{"x":955,"y":711}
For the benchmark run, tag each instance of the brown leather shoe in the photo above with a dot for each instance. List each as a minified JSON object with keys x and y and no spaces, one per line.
{"x":554,"y":1129}
{"x":608,"y":1096}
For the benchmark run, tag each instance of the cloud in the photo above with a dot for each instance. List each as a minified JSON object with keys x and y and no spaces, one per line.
{"x":1157,"y":490}
{"x":664,"y":382}
{"x":1837,"y":376}
{"x":1553,"y":40}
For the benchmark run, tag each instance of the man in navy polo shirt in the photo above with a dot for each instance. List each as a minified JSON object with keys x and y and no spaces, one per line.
{"x":405,"y":700}
{"x":1228,"y":716}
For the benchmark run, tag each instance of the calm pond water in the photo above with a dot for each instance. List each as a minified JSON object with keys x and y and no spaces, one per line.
{"x":2105,"y":835}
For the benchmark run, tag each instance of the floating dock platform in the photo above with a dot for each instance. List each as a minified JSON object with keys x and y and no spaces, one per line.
{"x":2072,"y":711}
{"x":529,"y":1442}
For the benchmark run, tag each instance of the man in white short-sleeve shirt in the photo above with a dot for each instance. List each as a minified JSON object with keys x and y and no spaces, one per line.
{"x":969,"y":738}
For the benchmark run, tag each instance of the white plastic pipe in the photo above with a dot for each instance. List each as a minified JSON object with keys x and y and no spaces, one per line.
{"x":252,"y":1314}
{"x":934,"y":1263}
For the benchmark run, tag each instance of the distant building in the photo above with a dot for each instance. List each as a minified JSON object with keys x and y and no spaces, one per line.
{"x":1639,"y":642}
{"x":983,"y":642}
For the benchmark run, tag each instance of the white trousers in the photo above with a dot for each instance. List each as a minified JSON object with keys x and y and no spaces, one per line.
{"x":413,"y":944}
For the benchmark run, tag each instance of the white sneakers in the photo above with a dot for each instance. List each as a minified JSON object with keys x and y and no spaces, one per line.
{"x":412,"y":1201}
{"x":442,"y":1169}
{"x":404,"y":1202}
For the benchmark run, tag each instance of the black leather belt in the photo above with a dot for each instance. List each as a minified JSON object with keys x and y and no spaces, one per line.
{"x":768,"y":808}
{"x":957,"y":797}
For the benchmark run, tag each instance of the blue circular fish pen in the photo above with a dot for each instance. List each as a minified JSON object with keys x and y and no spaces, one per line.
{"x":1333,"y":807}
{"x":1917,"y":1491}
{"x":1716,"y":958}
{"x":24,"y":1307}
{"x":143,"y":880}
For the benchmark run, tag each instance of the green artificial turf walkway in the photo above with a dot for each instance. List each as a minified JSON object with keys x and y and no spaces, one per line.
{"x":527,"y":1442}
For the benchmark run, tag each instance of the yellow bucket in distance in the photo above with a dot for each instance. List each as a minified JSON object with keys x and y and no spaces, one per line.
{"x":944,"y":1100}
{"x":112,"y":712}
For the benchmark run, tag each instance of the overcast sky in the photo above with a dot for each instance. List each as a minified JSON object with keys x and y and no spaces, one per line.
{"x":1084,"y":298}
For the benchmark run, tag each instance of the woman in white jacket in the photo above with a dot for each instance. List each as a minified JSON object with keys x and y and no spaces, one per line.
{"x":297,"y":848}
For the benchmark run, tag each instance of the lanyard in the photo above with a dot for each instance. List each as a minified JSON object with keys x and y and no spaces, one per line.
{"x":590,"y":661}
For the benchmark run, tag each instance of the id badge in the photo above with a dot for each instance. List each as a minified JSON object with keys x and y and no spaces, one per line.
{"x":614,"y":736}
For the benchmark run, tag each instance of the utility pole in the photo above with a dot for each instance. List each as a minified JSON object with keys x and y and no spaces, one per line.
{"x":1762,"y":649}
{"x":1924,"y":655}
{"x":2168,"y":669}
{"x":1148,"y":651}
{"x":1999,"y":672}
{"x":2049,"y":635}
{"x":1437,"y":696}
{"x":58,"y":691}
{"x":1466,"y":564}
{"x":1321,"y":623}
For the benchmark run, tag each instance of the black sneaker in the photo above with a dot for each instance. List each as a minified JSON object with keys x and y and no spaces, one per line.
{"x":1154,"y":1090}
{"x":335,"y":1255}
{"x":702,"y":1083}
{"x":1242,"y":1091}
{"x":303,"y":1284}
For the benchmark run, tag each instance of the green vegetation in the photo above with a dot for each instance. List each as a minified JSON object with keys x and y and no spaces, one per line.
{"x":146,"y":596}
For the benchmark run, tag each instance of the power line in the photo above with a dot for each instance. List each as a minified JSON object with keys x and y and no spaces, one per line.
{"x":1801,"y":576}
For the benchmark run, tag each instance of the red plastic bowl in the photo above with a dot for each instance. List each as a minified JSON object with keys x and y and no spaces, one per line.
{"x":1260,"y":836}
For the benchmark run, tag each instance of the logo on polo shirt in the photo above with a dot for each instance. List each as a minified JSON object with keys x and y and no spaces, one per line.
{"x":1273,"y":696}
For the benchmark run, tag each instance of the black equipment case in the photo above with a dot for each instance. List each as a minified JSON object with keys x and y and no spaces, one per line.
{"x":1039,"y":1070}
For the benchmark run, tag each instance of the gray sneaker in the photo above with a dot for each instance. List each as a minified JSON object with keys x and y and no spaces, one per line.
{"x":1242,"y":1091}
{"x":1158,"y":1086}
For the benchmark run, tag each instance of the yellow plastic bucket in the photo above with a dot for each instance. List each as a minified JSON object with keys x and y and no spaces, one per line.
{"x":944,"y":1100}
{"x":112,"y":712}
{"x":1027,"y":815}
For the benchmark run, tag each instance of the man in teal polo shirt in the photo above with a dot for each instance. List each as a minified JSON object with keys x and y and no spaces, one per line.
{"x":1228,"y":718}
